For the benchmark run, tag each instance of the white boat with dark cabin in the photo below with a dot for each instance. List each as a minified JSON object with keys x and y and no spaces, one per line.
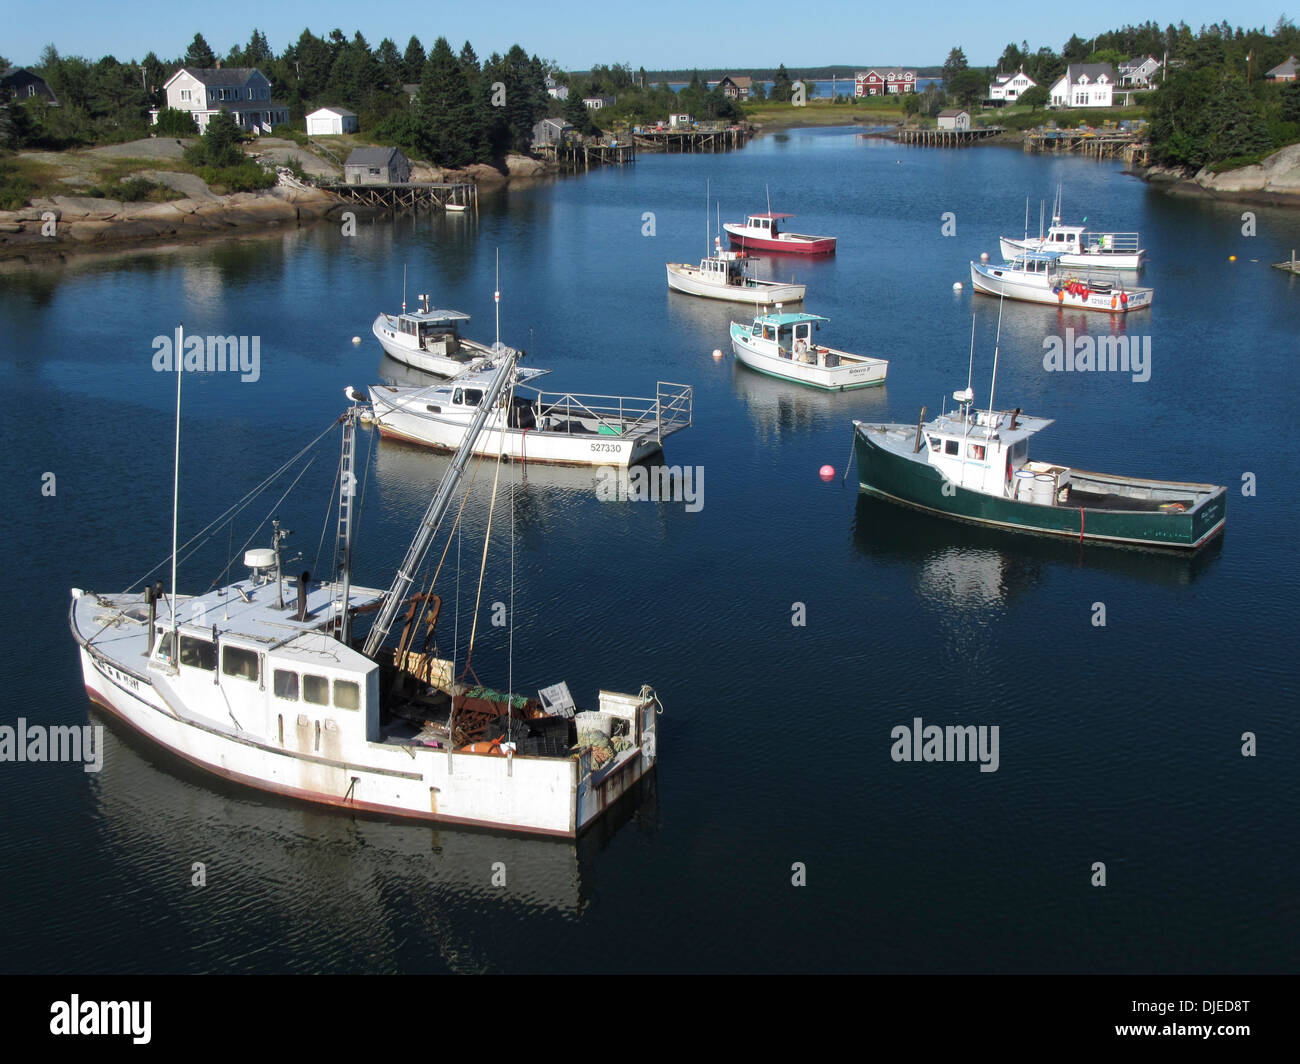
{"x":429,"y":339}
{"x":530,"y":425}
{"x":782,"y":345}
{"x":270,"y":688}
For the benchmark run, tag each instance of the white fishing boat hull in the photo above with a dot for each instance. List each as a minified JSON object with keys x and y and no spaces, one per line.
{"x":688,"y":279}
{"x":403,"y":348}
{"x":563,"y":436}
{"x":999,"y":281}
{"x":861,"y":372}
{"x":1108,"y":260}
{"x":321,"y":755}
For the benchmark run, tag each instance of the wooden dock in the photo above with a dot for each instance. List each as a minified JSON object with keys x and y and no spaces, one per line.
{"x":409,"y":195}
{"x":583,"y":155}
{"x":946,"y":138}
{"x":692,"y":140}
{"x":1099,"y":145}
{"x":1293,"y":266}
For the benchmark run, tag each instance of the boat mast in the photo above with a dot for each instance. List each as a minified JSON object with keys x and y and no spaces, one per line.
{"x":341,"y":626}
{"x":1026,"y":219}
{"x":176,"y":478}
{"x":403,"y":288}
{"x":706,"y":218}
{"x":429,"y":524}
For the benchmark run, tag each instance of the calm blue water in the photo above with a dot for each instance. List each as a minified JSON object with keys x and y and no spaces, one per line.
{"x":1118,"y":744}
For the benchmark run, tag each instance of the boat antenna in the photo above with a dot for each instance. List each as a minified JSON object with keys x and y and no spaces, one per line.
{"x":988,"y":429}
{"x":970,"y":370}
{"x":1042,"y":210}
{"x":1026,"y":218}
{"x":176,"y":478}
{"x":496,"y":299}
{"x":1056,"y":212}
{"x":403,"y":288}
{"x":706,"y":217}
{"x":768,"y":189}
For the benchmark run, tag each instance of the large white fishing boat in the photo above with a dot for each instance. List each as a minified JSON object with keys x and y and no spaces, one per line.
{"x":269,"y":688}
{"x":429,"y":339}
{"x":782,"y":345}
{"x":1040,"y":277}
{"x":1077,"y":246}
{"x":531,"y":425}
{"x":723,"y":276}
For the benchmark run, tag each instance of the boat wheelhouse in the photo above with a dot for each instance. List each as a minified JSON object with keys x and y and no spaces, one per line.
{"x":1040,"y":277}
{"x":532,"y":425}
{"x":723,"y":276}
{"x":1080,"y":247}
{"x":783,"y":345}
{"x":429,"y":339}
{"x":974,"y":465}
{"x":763,"y":232}
{"x":269,"y":689}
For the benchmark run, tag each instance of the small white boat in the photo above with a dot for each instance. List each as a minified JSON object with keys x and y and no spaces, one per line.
{"x":1081,"y":248}
{"x":1040,"y":277}
{"x":723,"y":276}
{"x":537,"y":426}
{"x":782,"y":345}
{"x":429,"y":339}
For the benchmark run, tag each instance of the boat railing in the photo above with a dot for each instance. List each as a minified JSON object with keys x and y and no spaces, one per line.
{"x":1116,"y":242}
{"x":622,"y":415}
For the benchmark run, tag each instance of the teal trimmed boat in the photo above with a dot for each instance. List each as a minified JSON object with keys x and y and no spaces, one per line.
{"x":783,"y":345}
{"x":973,"y":465}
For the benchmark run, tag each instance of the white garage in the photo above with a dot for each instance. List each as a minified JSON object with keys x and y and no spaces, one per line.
{"x":331,"y":121}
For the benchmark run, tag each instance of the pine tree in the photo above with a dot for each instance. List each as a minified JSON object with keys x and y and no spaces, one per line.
{"x":450,"y":126}
{"x":199,"y":54}
{"x":413,"y":61}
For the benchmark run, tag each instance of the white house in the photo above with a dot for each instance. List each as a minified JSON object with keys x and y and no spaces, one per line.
{"x":331,"y":121}
{"x":1138,"y":72}
{"x":595,"y":103}
{"x":955,"y":120}
{"x":244,"y":92}
{"x":555,"y":90}
{"x":1010,"y":87}
{"x":1085,"y":85}
{"x":679,"y":121}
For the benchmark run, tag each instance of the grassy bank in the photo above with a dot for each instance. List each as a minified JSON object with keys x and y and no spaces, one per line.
{"x":769,"y":115}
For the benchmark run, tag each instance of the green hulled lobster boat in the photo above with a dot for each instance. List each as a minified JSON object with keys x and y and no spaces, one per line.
{"x":974,"y":465}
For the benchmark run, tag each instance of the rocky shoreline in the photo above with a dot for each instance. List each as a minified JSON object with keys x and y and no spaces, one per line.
{"x":1275,"y":182}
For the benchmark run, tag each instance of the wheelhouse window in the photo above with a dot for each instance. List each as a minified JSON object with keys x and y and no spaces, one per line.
{"x":286,"y":685}
{"x":239,"y":663}
{"x":198,"y":653}
{"x":165,"y":646}
{"x":347,"y":695}
{"x":935,"y":443}
{"x":473,"y":396}
{"x":950,"y":447}
{"x":315,"y":690}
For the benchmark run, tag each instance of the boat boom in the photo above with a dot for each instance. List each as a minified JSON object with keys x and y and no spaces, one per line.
{"x":438,"y":507}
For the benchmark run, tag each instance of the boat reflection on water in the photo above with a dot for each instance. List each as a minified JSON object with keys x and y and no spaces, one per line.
{"x":370,"y":874}
{"x":970,"y":565}
{"x":781,"y":407}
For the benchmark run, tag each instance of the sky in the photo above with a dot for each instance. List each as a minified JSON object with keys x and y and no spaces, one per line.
{"x":664,"y":34}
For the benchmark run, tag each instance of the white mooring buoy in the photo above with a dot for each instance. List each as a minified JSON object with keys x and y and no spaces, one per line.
{"x":717,"y":352}
{"x":984,"y":256}
{"x":356,"y":339}
{"x":956,"y":286}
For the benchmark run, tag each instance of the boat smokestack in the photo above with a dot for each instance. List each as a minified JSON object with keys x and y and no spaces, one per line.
{"x":303,"y":578}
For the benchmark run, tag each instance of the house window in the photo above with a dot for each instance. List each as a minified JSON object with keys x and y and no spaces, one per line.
{"x":286,"y":685}
{"x":347,"y":695}
{"x":316,"y":690}
{"x":31,"y":90}
{"x":185,"y":96}
{"x":374,"y":171}
{"x":240,"y":663}
{"x":198,"y":653}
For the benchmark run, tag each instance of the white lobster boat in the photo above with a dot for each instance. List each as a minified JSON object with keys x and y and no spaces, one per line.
{"x":1040,"y":277}
{"x":429,"y":339}
{"x":782,"y":345}
{"x":269,"y":689}
{"x":536,"y":426}
{"x":723,"y":276}
{"x":1080,"y":247}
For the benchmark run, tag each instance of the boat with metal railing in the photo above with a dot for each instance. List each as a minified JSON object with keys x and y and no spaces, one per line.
{"x":534,"y":426}
{"x":1041,"y":277}
{"x":1078,"y":247}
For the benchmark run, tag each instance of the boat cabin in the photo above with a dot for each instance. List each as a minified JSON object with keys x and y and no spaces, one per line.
{"x":723,"y":268}
{"x":1076,"y":240}
{"x":431,"y":329}
{"x":792,"y":336}
{"x":768,"y":224}
{"x":982,"y":450}
{"x":461,"y":397}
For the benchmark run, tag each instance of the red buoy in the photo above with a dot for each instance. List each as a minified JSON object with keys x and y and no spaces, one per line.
{"x":827,"y":472}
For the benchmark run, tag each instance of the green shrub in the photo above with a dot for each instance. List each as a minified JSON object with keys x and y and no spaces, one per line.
{"x":173,"y":122}
{"x":15,"y":190}
{"x":247,"y":176}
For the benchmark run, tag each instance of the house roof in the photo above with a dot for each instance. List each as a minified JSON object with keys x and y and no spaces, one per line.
{"x":218,"y":77}
{"x":1092,"y":71}
{"x":371,"y":156}
{"x":953,"y":113}
{"x":342,"y":112}
{"x":741,"y":81}
{"x":1283,"y":70}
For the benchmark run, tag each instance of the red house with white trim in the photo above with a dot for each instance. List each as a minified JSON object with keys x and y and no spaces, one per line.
{"x":884,"y":82}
